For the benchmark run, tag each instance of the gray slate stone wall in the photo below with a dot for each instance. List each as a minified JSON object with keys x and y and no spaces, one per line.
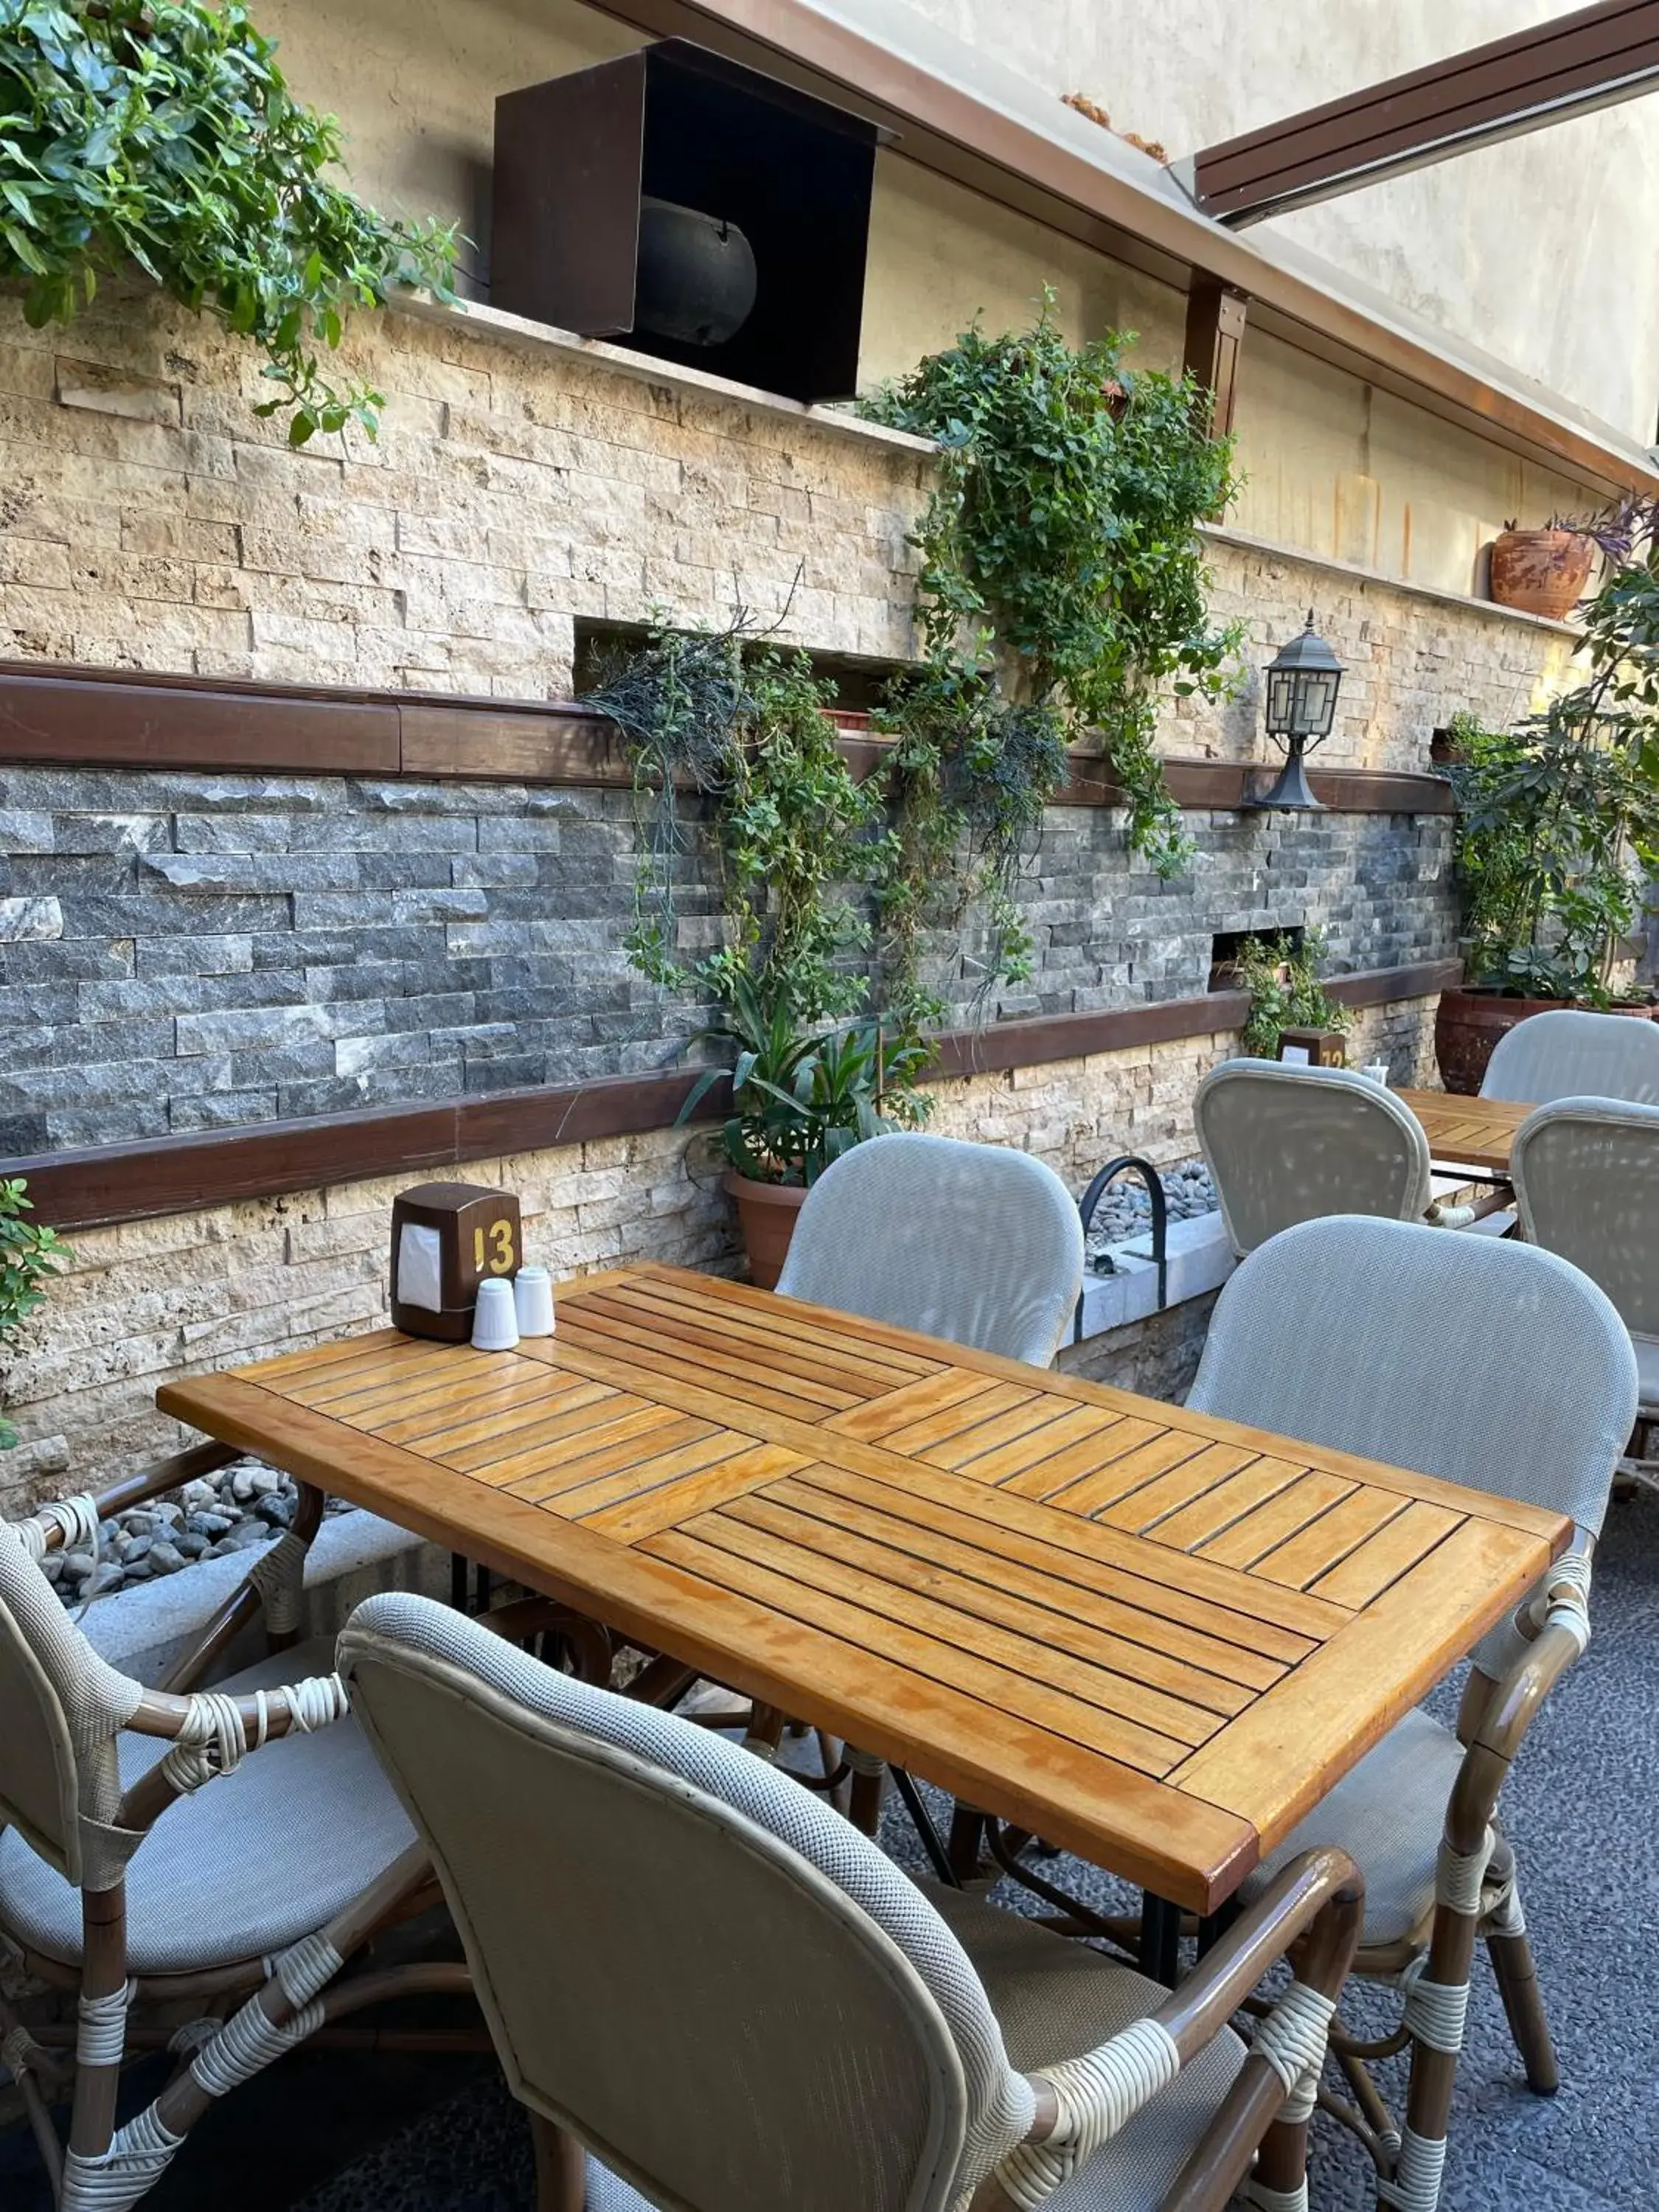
{"x":189,"y":952}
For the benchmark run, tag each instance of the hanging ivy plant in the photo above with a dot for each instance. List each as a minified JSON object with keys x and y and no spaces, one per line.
{"x":1062,"y":587}
{"x":794,"y":831}
{"x":161,"y":133}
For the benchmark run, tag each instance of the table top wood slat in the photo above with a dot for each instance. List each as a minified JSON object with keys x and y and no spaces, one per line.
{"x":879,"y":1620}
{"x":1475,"y":1133}
{"x":1169,"y":1621}
{"x":1262,"y":1477}
{"x":1201,"y":1671}
{"x":1031,"y":1637}
{"x":1150,"y":1635}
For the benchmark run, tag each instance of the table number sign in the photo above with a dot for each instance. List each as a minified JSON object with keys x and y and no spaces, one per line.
{"x":446,"y":1238}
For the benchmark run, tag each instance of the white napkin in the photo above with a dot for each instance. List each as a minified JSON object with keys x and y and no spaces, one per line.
{"x":420,"y":1268}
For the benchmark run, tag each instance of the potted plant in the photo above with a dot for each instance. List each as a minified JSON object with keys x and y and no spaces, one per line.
{"x":1558,"y":823}
{"x":1282,"y":978}
{"x":799,"y":1099}
{"x":1541,"y":572}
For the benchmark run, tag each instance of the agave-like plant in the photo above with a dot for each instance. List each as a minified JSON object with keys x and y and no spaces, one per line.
{"x":802,"y":1097}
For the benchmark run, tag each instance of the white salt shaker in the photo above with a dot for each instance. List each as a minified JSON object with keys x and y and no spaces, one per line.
{"x":532,"y":1295}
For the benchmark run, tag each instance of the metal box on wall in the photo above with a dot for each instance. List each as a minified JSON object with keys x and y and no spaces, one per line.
{"x":619,"y":188}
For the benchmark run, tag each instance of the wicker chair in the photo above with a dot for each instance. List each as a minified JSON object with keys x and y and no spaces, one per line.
{"x":1285,"y":1145}
{"x":1568,"y":1054}
{"x":1586,"y":1174}
{"x":730,"y":1998}
{"x":125,"y":1879}
{"x":1490,"y":1364}
{"x":976,"y":1243}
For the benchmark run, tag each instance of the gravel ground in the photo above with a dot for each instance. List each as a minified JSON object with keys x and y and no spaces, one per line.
{"x":237,"y":1509}
{"x":1125,"y":1209}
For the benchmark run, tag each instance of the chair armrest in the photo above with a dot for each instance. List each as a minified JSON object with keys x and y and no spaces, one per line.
{"x":1082,"y":2103}
{"x":212,"y":1733}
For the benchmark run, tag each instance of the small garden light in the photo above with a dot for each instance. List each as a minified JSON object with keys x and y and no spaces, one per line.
{"x":1304,"y":678}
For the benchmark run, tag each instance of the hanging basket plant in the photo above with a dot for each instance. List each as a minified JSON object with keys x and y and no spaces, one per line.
{"x":160,"y":134}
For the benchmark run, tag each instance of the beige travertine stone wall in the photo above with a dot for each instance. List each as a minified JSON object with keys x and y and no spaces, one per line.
{"x":1411,"y":657}
{"x":151,"y":1300}
{"x":149,"y":519}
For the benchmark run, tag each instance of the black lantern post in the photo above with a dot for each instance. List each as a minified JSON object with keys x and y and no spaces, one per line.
{"x":1304,"y":678}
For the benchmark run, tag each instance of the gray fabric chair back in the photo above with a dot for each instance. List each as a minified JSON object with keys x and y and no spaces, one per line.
{"x":61,"y":1707}
{"x":1568,"y":1054}
{"x":1586,"y":1174}
{"x":716,"y":1982}
{"x":1285,"y":1145}
{"x":976,"y":1243}
{"x":1482,"y":1361}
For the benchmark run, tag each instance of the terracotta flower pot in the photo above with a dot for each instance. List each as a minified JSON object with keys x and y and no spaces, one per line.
{"x":766,"y":1214}
{"x":1468,"y":1023}
{"x":1542,"y":572}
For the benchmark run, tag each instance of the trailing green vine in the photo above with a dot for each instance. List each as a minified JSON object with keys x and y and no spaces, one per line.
{"x":1063,"y":587}
{"x":161,"y":133}
{"x":1282,"y":978}
{"x":794,"y":831}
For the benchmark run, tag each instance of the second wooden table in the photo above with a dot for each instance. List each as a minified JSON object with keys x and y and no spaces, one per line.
{"x":1473,"y":1133}
{"x":1151,"y":1635}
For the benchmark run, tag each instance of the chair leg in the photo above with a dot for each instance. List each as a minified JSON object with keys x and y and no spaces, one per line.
{"x":1523,"y":2007}
{"x":1436,"y":2044}
{"x":560,"y":2168}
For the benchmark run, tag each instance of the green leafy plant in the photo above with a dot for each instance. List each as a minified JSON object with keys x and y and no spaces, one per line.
{"x":744,"y":725}
{"x":1282,"y":978}
{"x":161,"y":133}
{"x":1063,"y":587}
{"x":30,"y":1255}
{"x":801,"y":1098}
{"x":1558,"y":819}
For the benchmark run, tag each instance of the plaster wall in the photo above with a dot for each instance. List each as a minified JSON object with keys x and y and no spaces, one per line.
{"x":1330,"y":464}
{"x":1526,"y":248}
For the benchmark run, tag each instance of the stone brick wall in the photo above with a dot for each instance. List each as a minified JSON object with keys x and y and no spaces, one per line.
{"x":181,"y":952}
{"x":149,"y":519}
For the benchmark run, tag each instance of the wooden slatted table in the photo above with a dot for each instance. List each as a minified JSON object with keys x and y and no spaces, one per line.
{"x":1154,"y":1637}
{"x":1474,"y":1133}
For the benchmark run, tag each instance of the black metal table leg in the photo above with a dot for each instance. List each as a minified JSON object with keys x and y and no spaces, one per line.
{"x":1160,"y":1939}
{"x":1214,"y":1925}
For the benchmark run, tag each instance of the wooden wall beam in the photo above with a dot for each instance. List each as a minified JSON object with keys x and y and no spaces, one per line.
{"x":116,"y":718}
{"x":1593,"y":57}
{"x":1215,"y":334}
{"x":160,"y":1176}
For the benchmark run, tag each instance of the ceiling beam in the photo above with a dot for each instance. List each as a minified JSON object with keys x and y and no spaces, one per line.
{"x":1593,"y":58}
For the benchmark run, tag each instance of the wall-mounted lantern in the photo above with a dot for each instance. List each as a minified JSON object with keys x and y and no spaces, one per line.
{"x":693,"y":208}
{"x":1304,"y":678}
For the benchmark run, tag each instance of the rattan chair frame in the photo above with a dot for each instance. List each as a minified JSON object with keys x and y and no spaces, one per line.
{"x":1312,"y":1913}
{"x":298,"y":1998}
